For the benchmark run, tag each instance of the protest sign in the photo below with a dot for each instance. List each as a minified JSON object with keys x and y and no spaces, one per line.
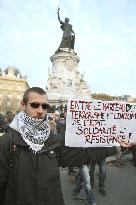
{"x":99,"y":123}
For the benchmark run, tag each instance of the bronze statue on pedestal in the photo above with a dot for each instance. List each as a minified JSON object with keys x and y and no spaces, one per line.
{"x":68,"y":38}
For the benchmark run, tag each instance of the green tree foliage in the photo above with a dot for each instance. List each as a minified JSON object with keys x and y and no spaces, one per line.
{"x":102,"y":96}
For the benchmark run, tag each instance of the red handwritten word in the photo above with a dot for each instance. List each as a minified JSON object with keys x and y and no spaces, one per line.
{"x":125,"y":116}
{"x":89,"y":122}
{"x":87,"y":115}
{"x":105,"y":139}
{"x":80,"y":105}
{"x":96,"y":130}
{"x":114,"y":107}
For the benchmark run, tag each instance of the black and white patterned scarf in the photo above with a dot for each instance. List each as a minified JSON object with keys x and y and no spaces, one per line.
{"x":34,"y":131}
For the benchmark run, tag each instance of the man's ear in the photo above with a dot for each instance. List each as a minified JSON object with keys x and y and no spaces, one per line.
{"x":23,"y":105}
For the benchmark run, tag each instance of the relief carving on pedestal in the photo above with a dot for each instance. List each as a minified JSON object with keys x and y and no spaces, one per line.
{"x":70,"y":64}
{"x":53,"y":83}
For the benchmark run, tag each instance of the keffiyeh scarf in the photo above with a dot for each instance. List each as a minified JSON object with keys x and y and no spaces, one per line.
{"x":33,"y":131}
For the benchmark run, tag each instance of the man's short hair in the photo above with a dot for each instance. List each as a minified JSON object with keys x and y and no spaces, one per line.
{"x":30,"y":90}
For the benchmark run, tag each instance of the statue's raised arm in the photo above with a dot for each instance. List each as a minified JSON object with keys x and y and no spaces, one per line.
{"x":58,"y":14}
{"x":68,"y":38}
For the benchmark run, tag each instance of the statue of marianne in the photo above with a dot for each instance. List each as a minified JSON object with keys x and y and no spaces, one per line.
{"x":68,"y":38}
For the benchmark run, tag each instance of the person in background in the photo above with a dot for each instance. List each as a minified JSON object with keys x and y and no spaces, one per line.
{"x":8,"y":119}
{"x":102,"y":174}
{"x":52,"y":123}
{"x":86,"y":174}
{"x":56,"y":117}
{"x":102,"y":168}
{"x":83,"y":180}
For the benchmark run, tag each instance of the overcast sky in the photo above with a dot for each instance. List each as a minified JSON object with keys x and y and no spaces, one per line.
{"x":105,"y":40}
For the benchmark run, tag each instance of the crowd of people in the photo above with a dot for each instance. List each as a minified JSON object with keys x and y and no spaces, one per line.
{"x":32,"y":148}
{"x":5,"y":121}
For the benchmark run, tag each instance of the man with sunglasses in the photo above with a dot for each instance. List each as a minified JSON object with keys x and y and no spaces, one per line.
{"x":30,"y":156}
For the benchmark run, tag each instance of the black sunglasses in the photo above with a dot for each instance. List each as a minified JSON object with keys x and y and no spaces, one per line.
{"x":37,"y":105}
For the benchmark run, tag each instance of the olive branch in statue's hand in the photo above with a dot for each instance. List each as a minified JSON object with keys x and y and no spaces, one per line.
{"x":58,"y":10}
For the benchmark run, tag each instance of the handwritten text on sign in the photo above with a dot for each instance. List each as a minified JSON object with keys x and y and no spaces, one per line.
{"x":99,"y":123}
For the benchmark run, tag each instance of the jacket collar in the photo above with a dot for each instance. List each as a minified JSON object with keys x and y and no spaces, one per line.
{"x":51,"y":143}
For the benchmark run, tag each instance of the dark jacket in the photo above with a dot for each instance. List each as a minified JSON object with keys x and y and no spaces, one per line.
{"x":34,"y":179}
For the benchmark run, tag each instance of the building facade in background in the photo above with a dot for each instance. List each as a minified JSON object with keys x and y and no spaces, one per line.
{"x":12,"y":87}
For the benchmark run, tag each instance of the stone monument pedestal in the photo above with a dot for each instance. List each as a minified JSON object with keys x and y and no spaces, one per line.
{"x":64,"y":80}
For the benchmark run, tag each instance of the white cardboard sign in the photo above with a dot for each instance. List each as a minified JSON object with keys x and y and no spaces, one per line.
{"x":99,"y":123}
